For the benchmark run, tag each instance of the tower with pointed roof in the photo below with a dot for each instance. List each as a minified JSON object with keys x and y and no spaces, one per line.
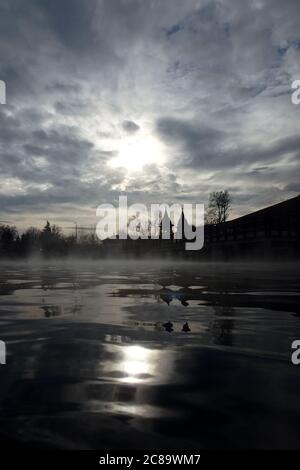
{"x":166,"y":228}
{"x":182,"y":222}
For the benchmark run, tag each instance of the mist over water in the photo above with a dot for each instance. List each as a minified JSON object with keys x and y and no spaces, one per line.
{"x":149,"y":354}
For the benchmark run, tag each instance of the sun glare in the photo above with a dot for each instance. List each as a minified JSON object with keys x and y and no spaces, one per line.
{"x":135,"y":154}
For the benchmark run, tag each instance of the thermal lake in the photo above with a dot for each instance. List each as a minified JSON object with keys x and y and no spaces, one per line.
{"x":140,"y":355}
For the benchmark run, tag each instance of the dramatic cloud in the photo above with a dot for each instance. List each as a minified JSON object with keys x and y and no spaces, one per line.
{"x":163,"y":100}
{"x":130,"y":126}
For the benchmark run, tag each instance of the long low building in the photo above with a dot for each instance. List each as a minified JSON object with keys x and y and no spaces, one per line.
{"x":272,"y":232}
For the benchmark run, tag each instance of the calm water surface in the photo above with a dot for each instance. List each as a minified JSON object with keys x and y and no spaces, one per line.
{"x":147,"y":355}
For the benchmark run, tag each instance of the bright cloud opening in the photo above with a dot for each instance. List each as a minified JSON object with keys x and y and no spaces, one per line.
{"x":134,"y":154}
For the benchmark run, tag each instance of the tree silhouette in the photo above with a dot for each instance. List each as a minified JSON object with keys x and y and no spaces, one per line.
{"x":218,"y":207}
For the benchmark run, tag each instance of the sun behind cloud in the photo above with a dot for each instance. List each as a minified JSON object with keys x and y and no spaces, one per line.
{"x":134,"y":153}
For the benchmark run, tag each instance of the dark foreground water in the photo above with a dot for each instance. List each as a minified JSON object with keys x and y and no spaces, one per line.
{"x":93,"y":362}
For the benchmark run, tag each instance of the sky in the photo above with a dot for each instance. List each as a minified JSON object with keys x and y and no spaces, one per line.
{"x":160,"y":100}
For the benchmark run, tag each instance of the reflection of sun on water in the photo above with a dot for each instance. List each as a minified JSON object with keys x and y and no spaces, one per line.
{"x":135,"y":154}
{"x":137,"y":361}
{"x":135,"y":364}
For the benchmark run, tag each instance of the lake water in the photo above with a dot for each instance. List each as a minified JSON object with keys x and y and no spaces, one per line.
{"x":149,"y":355}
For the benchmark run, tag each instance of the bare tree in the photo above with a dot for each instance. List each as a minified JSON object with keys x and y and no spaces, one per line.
{"x":218,"y":207}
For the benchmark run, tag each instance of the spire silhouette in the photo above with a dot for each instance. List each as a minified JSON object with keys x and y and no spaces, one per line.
{"x":166,"y":227}
{"x":182,"y":222}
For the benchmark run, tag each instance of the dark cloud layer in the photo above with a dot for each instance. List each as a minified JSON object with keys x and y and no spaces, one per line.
{"x":201,"y":88}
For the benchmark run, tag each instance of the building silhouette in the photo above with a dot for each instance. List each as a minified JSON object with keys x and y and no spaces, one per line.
{"x":269,"y":233}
